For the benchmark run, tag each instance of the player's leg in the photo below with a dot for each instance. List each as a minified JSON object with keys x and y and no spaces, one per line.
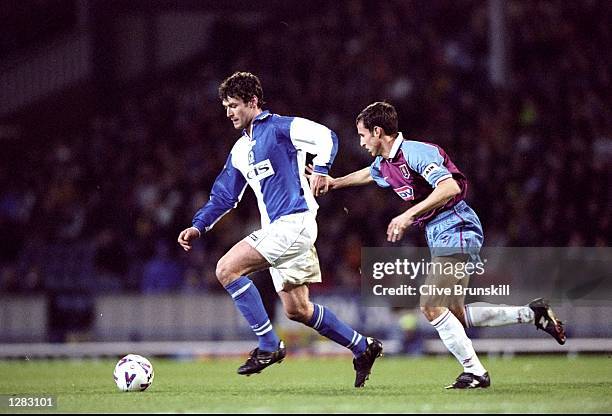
{"x":297,"y":266}
{"x":232,"y":271}
{"x":261,"y":249}
{"x":240,"y":260}
{"x":538,"y":312}
{"x":437,"y":309}
{"x":454,"y":236}
{"x":467,"y":233}
{"x":298,"y":307}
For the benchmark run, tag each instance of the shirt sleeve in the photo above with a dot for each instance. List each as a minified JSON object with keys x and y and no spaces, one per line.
{"x":377,"y":175}
{"x":225,"y":194}
{"x":316,"y":139}
{"x":426,"y":160}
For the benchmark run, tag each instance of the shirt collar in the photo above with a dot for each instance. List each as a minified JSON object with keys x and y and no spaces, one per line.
{"x":260,"y":116}
{"x":396,"y":145}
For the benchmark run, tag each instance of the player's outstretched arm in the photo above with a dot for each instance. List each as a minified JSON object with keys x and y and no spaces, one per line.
{"x":187,"y":236}
{"x":357,"y":178}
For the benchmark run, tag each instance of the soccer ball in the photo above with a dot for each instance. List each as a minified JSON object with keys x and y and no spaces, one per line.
{"x":133,"y":373}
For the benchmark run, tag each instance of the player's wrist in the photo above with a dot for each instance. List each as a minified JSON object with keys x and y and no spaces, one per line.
{"x":409,"y":215}
{"x":331,"y":183}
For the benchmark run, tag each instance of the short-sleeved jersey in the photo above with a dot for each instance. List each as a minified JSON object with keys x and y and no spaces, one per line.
{"x":413,"y":170}
{"x":272,"y":162}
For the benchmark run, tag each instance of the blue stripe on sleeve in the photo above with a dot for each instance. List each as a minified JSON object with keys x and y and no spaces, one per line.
{"x":426,"y":160}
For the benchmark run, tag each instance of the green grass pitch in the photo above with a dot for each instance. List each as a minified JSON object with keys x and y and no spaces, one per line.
{"x":307,"y":385}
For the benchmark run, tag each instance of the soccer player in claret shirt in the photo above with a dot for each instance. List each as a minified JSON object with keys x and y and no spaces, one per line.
{"x":270,"y":157}
{"x":423,"y":175}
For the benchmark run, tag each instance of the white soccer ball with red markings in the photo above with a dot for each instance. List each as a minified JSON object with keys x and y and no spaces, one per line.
{"x":133,"y":373}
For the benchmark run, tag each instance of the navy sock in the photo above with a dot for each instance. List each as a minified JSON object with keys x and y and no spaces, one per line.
{"x":248,"y":301}
{"x":327,"y":324}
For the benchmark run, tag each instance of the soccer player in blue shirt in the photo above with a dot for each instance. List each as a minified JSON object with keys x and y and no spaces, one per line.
{"x":423,"y":175}
{"x":270,"y":157}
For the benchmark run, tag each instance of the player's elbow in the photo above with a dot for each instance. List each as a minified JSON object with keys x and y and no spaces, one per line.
{"x":451,"y":187}
{"x":456,"y":190}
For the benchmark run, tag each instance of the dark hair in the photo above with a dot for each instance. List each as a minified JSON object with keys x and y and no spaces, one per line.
{"x":243,"y":85}
{"x":379,"y":114}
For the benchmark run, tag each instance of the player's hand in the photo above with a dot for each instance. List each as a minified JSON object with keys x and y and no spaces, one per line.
{"x":319,"y":184}
{"x":398,"y":226}
{"x":187,"y":236}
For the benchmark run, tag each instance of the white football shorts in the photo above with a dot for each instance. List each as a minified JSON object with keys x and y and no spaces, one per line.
{"x":288,"y":245}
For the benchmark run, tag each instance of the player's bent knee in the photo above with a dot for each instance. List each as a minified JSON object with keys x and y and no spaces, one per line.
{"x":224,"y":272}
{"x":432,"y":312}
{"x":298,"y":314}
{"x":457,"y":310}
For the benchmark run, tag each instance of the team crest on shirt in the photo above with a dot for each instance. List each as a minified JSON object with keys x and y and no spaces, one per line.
{"x":404,"y":169}
{"x":405,"y":192}
{"x":251,"y":157}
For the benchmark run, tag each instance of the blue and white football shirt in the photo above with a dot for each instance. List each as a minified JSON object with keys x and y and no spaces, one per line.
{"x":272,"y":163}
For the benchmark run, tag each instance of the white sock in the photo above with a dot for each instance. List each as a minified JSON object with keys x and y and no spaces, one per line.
{"x":453,"y":335}
{"x":487,"y":314}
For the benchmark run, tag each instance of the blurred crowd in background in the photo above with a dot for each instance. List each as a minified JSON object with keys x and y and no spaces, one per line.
{"x":99,"y":207}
